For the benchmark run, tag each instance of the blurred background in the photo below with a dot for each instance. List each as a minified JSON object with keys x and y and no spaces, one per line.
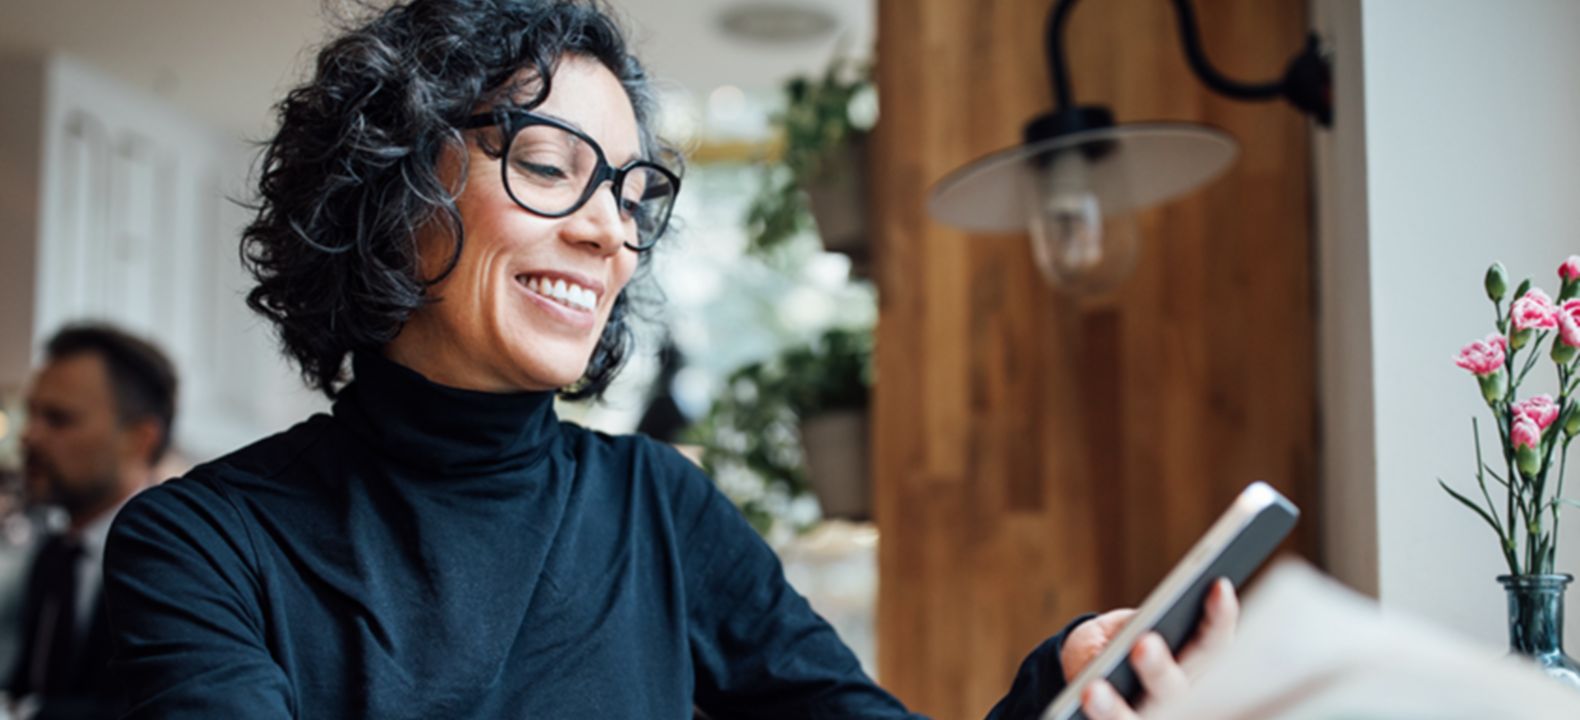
{"x":849,"y":368}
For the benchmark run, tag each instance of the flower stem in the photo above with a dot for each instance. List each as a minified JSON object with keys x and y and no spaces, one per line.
{"x":1504,"y":537}
{"x":1530,"y":362}
{"x":1558,"y":498}
{"x":1502,"y":414}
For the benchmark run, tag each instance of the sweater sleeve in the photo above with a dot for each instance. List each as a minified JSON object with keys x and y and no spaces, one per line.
{"x":760,"y":651}
{"x":758,"y":648}
{"x":184,"y":610}
{"x":1039,"y":680}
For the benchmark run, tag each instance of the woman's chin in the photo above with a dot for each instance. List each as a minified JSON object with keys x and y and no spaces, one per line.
{"x":541,"y":356}
{"x":536,"y":373}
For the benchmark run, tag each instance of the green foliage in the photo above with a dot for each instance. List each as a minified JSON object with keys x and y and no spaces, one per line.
{"x":817,"y":118}
{"x":754,"y":426}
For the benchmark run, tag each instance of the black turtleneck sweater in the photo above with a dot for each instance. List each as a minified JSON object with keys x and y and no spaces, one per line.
{"x":430,"y":552}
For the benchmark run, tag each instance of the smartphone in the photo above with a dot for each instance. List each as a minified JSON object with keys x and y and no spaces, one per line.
{"x":1236,"y":544}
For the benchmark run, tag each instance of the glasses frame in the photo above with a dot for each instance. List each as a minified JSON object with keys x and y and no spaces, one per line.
{"x":511,"y":121}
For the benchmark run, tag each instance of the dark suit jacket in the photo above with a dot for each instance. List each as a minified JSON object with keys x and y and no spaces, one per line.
{"x":88,"y":695}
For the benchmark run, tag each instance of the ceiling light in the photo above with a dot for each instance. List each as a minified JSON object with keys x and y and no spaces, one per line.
{"x":777,"y":22}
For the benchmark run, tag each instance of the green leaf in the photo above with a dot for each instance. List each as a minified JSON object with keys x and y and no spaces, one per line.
{"x":815,"y":125}
{"x":1473,"y":506}
{"x":753,"y":426}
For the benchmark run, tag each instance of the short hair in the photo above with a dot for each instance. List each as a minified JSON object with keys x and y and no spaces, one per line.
{"x":351,"y":174}
{"x":142,"y":379}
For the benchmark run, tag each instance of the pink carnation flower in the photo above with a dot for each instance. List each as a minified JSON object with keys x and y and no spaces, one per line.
{"x":1569,"y":322}
{"x":1534,"y":311}
{"x":1525,"y":433}
{"x":1570,"y":270}
{"x":1484,"y":357}
{"x":1541,"y":409}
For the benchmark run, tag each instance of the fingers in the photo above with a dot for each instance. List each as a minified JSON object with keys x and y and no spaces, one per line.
{"x":1219,"y":620}
{"x":1110,"y":623}
{"x":1161,"y":679}
{"x":1223,"y":610}
{"x":1160,"y":675}
{"x":1089,"y":638}
{"x":1100,"y":702}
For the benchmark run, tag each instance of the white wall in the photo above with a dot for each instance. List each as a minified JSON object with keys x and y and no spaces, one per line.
{"x":1462,"y":147}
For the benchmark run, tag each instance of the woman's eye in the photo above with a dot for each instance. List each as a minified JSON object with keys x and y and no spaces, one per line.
{"x":631,"y":209}
{"x":542,"y":170}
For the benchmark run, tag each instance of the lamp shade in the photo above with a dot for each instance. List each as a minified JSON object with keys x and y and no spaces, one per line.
{"x":1128,"y":167}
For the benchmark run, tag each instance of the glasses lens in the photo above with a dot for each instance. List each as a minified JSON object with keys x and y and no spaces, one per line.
{"x":549,"y":168}
{"x":646,"y":196}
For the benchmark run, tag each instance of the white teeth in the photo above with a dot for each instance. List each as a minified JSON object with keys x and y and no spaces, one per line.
{"x":565,"y":293}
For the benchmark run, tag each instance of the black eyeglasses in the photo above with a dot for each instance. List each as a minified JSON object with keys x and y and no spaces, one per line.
{"x":552,"y":169}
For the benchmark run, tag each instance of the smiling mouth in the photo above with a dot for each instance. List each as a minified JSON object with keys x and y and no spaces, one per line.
{"x":570,"y":295}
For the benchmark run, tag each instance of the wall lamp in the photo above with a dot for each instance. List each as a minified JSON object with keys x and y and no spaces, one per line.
{"x":1077,"y":180}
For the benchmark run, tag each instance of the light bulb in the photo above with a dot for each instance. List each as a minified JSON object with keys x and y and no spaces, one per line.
{"x":1077,"y":249}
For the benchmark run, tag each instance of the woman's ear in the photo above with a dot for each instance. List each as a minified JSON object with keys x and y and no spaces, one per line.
{"x":437,"y":241}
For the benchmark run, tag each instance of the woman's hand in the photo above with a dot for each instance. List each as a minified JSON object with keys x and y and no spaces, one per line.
{"x":1161,"y":677}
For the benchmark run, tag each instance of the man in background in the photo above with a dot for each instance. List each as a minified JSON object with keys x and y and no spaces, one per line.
{"x":99,"y":415}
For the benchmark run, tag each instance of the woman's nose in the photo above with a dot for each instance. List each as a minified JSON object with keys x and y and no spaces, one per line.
{"x":597,"y":224}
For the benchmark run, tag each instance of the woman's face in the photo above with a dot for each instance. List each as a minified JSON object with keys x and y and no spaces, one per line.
{"x":493,"y":327}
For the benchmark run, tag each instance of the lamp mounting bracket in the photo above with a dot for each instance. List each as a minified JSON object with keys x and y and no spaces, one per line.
{"x":1307,"y":82}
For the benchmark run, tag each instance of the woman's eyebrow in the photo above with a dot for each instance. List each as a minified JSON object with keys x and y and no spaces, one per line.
{"x":572,"y":123}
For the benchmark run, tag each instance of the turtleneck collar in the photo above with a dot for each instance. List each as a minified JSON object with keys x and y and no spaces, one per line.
{"x":443,"y":430}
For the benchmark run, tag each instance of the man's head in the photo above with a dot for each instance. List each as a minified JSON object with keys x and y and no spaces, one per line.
{"x":98,"y":418}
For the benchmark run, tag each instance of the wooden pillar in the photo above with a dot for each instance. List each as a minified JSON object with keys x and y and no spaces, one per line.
{"x":1037,"y":457}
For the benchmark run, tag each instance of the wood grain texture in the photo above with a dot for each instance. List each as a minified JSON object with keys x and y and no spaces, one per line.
{"x":1038,"y":457}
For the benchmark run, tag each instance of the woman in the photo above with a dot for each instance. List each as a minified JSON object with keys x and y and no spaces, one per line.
{"x":456,"y":202}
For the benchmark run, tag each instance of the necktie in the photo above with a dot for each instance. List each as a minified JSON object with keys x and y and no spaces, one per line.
{"x":55,"y":641}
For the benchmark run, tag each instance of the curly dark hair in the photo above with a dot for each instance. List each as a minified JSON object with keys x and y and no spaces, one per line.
{"x":351,"y":175}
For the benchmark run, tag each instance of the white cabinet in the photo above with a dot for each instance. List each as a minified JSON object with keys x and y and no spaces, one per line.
{"x":132,"y":225}
{"x":123,"y":182}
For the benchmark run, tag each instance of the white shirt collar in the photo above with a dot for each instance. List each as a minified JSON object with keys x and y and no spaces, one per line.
{"x":94,"y":535}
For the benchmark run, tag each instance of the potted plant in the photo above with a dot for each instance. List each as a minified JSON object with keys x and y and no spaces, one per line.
{"x":820,"y":175}
{"x":1533,"y":435}
{"x":796,"y":423}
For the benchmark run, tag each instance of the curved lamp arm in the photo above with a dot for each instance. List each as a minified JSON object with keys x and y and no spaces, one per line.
{"x":1307,"y":82}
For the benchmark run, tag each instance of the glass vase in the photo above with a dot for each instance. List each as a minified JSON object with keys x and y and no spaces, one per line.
{"x":1536,"y":623}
